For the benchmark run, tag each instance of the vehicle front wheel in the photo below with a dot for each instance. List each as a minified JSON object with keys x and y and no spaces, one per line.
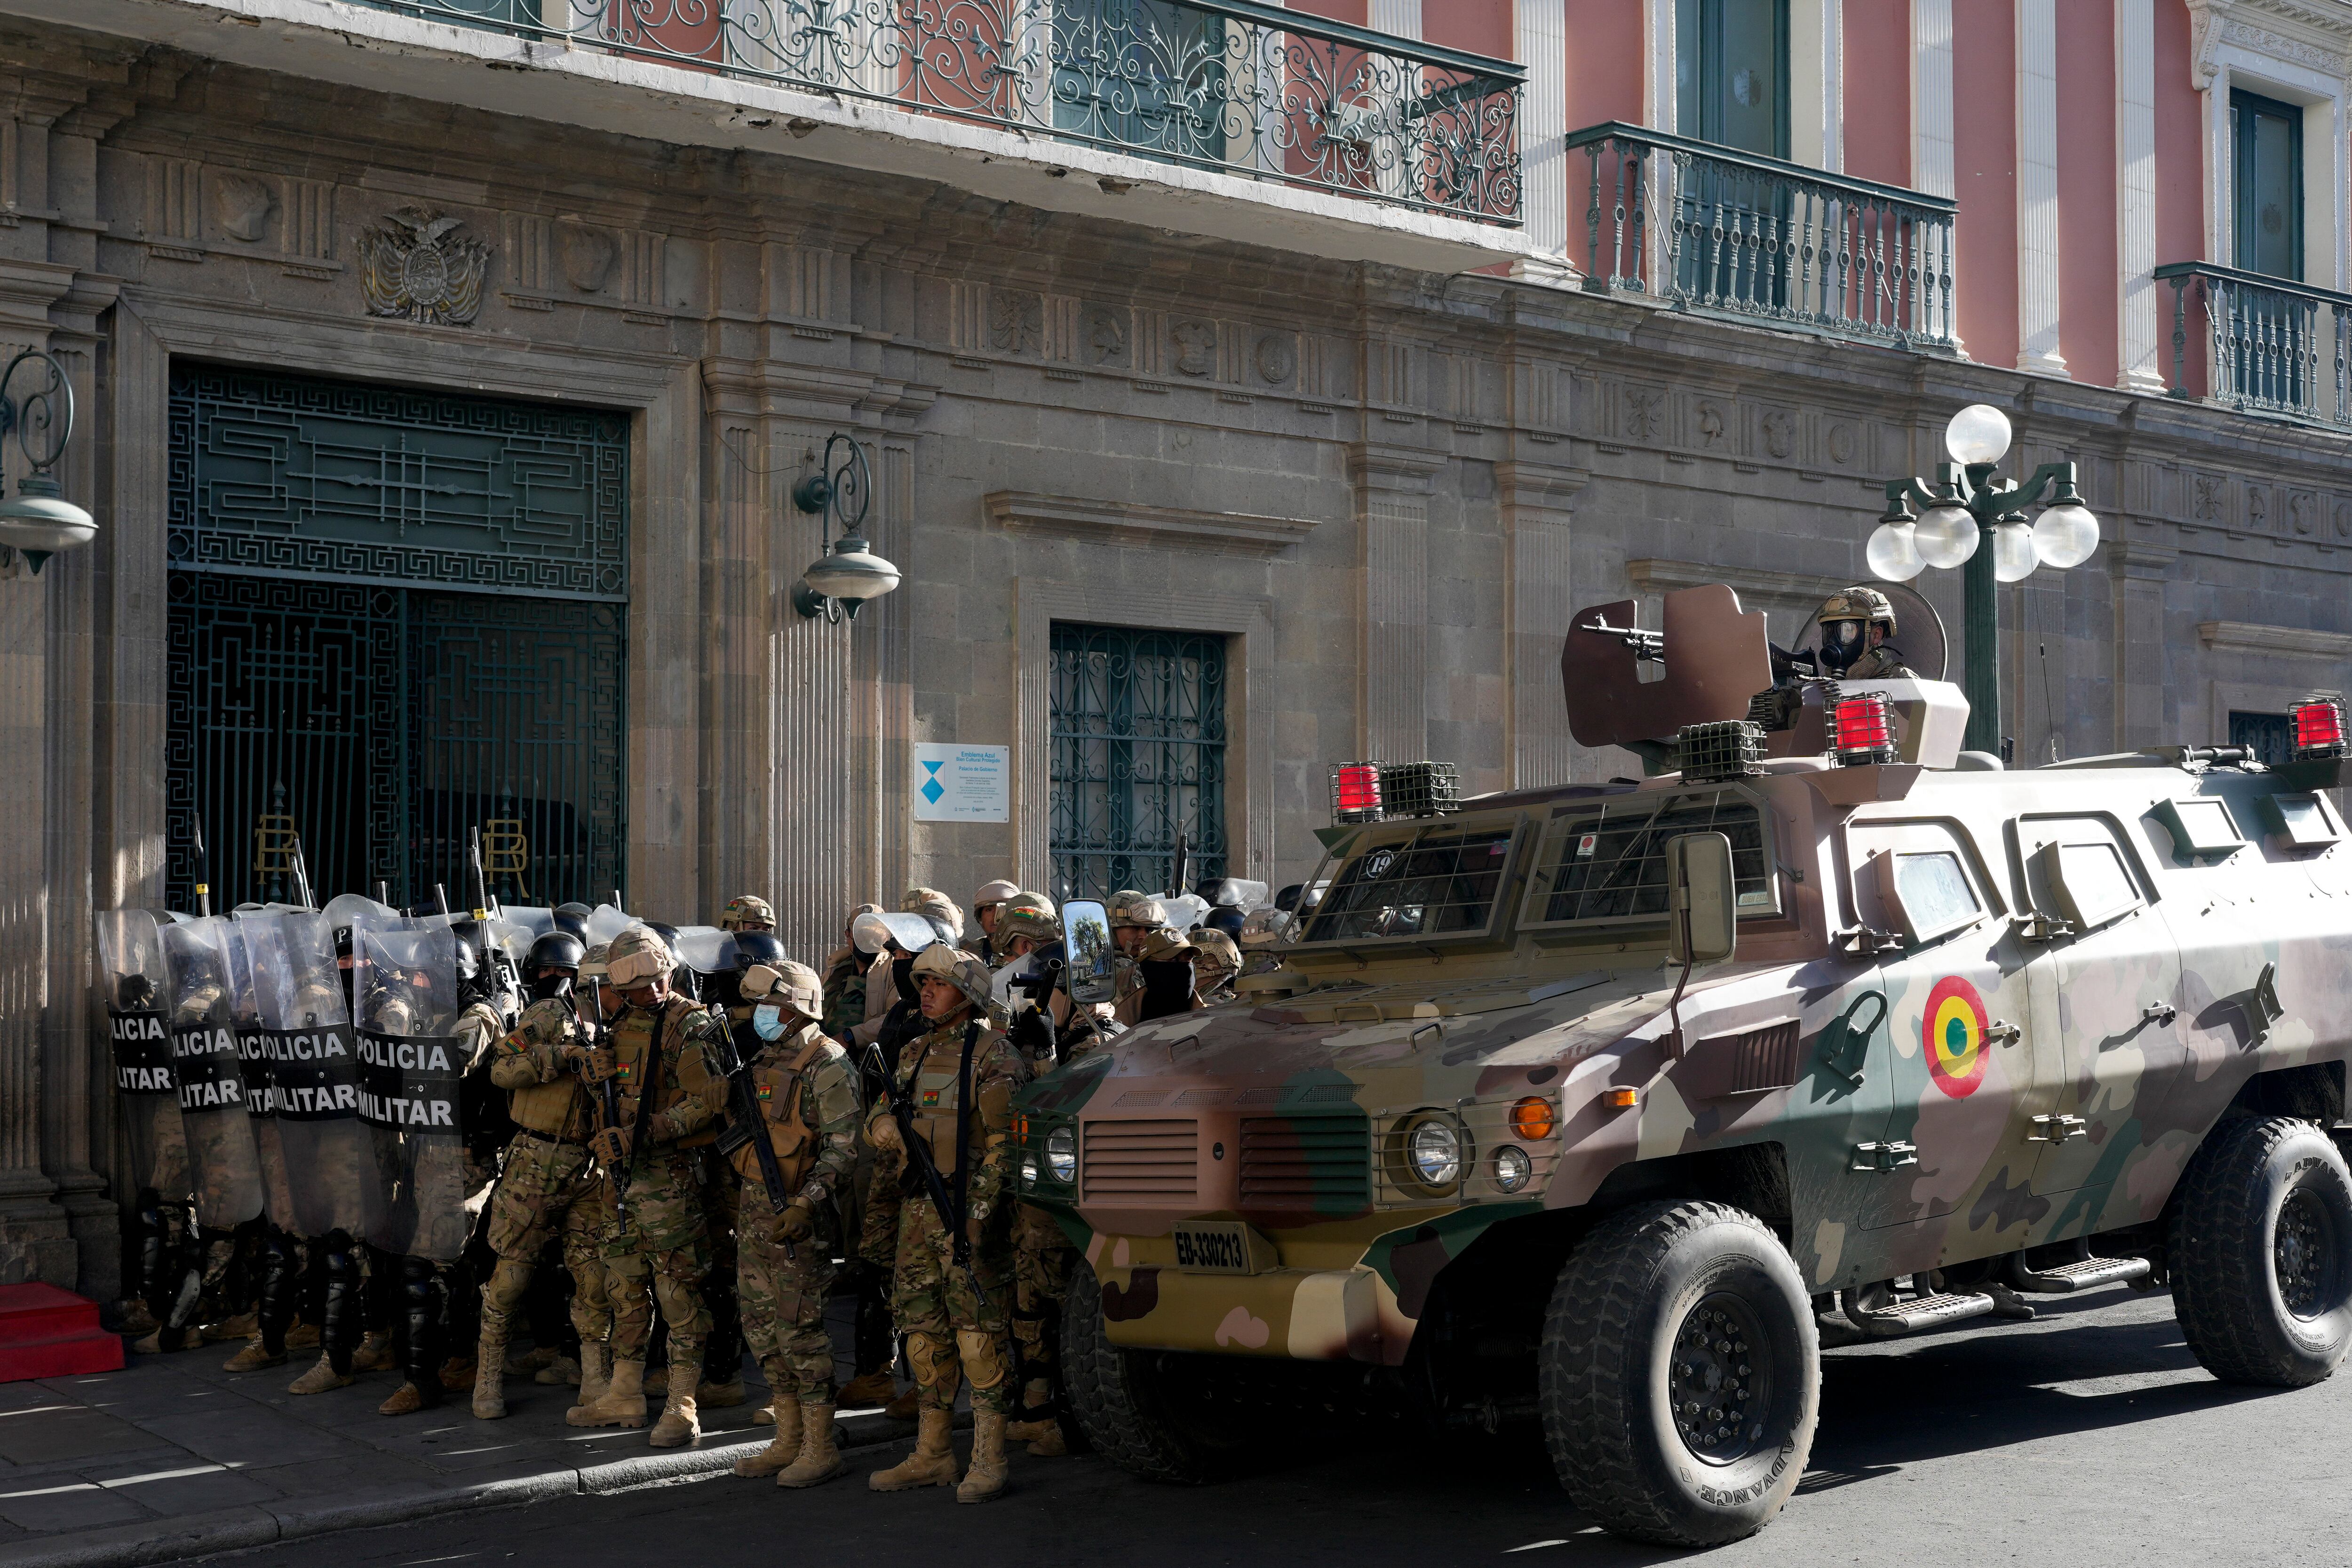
{"x":1126,"y":1408}
{"x":1681,"y":1374}
{"x":2260,"y":1253}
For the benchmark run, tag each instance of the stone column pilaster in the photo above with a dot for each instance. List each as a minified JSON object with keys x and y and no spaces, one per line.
{"x":1537,"y":603}
{"x":1392,"y":486}
{"x":2138,"y":572}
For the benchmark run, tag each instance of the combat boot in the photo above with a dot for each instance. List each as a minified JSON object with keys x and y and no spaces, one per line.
{"x":721,"y":1396}
{"x":932,"y":1464}
{"x":819,"y":1460}
{"x":1050,"y":1443}
{"x":489,"y":1372}
{"x":786,"y":1446}
{"x":254,"y":1357}
{"x":374,"y":1353}
{"x":869,"y":1388}
{"x":302,"y":1336}
{"x":556,"y":1372}
{"x":622,"y":1404}
{"x":595,"y":1373}
{"x":244,"y":1325}
{"x":320,"y":1378}
{"x":677,"y":1425}
{"x":984,"y":1481}
{"x":905,"y":1406}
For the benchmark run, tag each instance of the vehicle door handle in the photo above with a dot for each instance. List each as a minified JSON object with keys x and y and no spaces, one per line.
{"x":2057,"y":1129}
{"x":2159,"y":1013}
{"x":1887,"y":1156}
{"x":2002,"y":1032}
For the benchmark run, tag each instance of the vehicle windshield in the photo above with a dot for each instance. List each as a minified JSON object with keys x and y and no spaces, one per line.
{"x":1436,"y":883}
{"x":1612,"y":860}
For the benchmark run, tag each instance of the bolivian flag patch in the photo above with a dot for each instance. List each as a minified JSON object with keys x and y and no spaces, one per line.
{"x":930,"y":1096}
{"x":767,"y":1091}
{"x":623,"y":1070}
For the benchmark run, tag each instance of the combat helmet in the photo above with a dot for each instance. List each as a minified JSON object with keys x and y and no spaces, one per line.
{"x":1128,"y":907}
{"x":790,"y":985}
{"x":1859,"y":603}
{"x":936,"y":907}
{"x":636,"y":956}
{"x":1166,"y":944}
{"x":992,"y":893}
{"x":1216,"y":953}
{"x":1029,"y":915}
{"x":743,"y":909}
{"x":958,"y":968}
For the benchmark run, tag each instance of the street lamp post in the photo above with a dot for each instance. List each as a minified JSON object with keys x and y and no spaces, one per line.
{"x":39,"y":521}
{"x":1963,"y":505}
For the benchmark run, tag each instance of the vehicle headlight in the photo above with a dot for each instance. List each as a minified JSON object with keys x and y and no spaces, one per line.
{"x":1512,"y":1167}
{"x":1434,"y":1150}
{"x":1062,"y":1153}
{"x":1029,"y":1171}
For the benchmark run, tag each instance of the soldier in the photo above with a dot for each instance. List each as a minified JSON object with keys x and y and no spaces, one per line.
{"x":1164,"y":978}
{"x":745,"y":912}
{"x":548,"y":1186}
{"x":954,"y":1085}
{"x":1133,"y":916}
{"x":1217,"y":961}
{"x":1857,"y":628}
{"x":807,"y":1094}
{"x":654,"y":1227}
{"x":844,"y":1006}
{"x":986,"y":905}
{"x":722,"y":1359}
{"x":845,"y":978}
{"x":892,"y":1011}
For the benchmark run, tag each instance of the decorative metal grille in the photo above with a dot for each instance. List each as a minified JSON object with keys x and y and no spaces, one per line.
{"x":371,"y":484}
{"x":1228,"y":84}
{"x":1137,"y":724}
{"x":326,"y":686}
{"x":1750,"y":235}
{"x":2271,"y":345}
{"x":2269,"y":735}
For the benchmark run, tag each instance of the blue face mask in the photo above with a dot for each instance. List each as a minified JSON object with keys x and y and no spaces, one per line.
{"x":768,"y":1022}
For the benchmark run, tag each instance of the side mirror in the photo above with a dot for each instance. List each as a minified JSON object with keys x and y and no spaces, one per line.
{"x":1085,"y":937}
{"x":1703,"y":908}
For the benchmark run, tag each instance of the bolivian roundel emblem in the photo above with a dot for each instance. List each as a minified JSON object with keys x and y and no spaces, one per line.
{"x":1954,"y":1036}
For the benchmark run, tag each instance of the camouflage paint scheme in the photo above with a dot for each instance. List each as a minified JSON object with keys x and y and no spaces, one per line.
{"x":1345,"y":1251}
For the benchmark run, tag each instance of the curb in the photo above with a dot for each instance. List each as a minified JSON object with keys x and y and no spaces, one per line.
{"x":266,"y":1524}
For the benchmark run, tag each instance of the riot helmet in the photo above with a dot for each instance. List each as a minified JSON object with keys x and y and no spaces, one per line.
{"x":573,"y":917}
{"x":553,"y":963}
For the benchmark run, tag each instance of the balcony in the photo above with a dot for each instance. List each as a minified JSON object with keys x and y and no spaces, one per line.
{"x":1223,"y":85}
{"x":1713,"y":230}
{"x":2270,"y":345}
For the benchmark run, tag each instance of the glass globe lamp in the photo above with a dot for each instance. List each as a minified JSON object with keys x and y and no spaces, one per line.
{"x":1977,"y":434}
{"x":2012,"y":549}
{"x":1946,"y":535}
{"x":2065,"y":536}
{"x":1893,"y":552}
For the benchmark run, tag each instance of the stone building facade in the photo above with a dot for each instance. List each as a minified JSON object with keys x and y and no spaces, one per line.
{"x":1378,"y":482}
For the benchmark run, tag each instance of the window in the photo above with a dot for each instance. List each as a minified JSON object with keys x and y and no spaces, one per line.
{"x":1932,"y":891}
{"x":1138,"y":723}
{"x":2091,"y":885}
{"x":2200,"y":829}
{"x":1610,"y":862}
{"x":2269,"y":735}
{"x":1921,"y":879}
{"x":1731,"y":73}
{"x":1435,"y":884}
{"x":2298,"y":821}
{"x":2267,"y":178}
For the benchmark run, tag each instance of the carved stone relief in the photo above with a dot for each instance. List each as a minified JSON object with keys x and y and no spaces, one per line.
{"x":1710,"y":424}
{"x":415,"y":269}
{"x":242,"y":204}
{"x":1103,"y":331}
{"x":1196,"y":345}
{"x":1645,"y":409}
{"x":1840,"y":444}
{"x":2207,"y":502}
{"x":1016,"y":322}
{"x":587,"y":254}
{"x":1275,"y":357}
{"x":2303,"y":511}
{"x":1779,"y":429}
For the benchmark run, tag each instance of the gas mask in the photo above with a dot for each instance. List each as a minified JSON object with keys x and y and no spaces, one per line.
{"x":1843,"y":642}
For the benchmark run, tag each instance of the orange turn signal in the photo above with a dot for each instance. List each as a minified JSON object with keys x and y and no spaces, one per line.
{"x":1020,"y":1129}
{"x":1621,"y":1099}
{"x":1533,"y":1119}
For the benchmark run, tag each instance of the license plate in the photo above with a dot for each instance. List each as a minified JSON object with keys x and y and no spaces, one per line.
{"x":1213,"y":1246}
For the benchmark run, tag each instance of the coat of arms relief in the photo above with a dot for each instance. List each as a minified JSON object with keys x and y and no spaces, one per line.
{"x":415,"y":269}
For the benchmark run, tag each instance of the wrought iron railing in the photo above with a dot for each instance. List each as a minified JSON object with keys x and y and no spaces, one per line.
{"x":1712,"y":228}
{"x":1223,"y":84}
{"x":2271,"y":345}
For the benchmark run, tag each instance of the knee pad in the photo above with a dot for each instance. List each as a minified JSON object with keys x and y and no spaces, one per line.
{"x":982,"y":1354}
{"x":509,"y":1282}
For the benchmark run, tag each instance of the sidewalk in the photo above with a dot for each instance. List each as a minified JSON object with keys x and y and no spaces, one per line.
{"x":173,"y":1457}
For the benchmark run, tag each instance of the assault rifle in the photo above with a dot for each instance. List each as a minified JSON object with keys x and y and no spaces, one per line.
{"x":746,"y":1124}
{"x":950,"y":1210}
{"x":610,"y":1092}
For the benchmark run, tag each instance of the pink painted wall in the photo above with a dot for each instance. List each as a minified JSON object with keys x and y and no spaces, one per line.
{"x":1335,"y":10}
{"x":1604,"y":62}
{"x":1482,"y":26}
{"x":1878,"y":90}
{"x":1984,"y":168}
{"x":2088,"y":281}
{"x":2180,"y":143}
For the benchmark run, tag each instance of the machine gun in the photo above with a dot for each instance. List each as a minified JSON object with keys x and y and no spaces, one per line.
{"x":1649,"y":647}
{"x":951,"y":1211}
{"x":745,"y":1124}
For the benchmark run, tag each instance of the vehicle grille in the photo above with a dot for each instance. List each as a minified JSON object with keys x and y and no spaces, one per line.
{"x":1312,"y":1163}
{"x":1764,"y":1058}
{"x":1147,"y":1162}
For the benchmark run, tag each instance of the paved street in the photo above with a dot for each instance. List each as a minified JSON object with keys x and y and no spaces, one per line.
{"x":2086,"y":1438}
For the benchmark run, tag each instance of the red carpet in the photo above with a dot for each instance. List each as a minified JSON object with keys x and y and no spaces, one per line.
{"x":49,"y":1332}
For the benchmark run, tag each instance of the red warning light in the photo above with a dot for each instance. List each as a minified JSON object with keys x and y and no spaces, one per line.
{"x":1864,"y":729}
{"x":2319,"y":727}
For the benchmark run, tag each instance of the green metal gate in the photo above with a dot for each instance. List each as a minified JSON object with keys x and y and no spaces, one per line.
{"x":1138,"y":720}
{"x":396,"y":617}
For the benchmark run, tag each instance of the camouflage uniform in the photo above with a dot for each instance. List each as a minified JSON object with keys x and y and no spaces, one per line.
{"x":663,"y":1240}
{"x":951,"y":1332}
{"x":844,"y":994}
{"x":547,"y":1185}
{"x":808,"y":1091}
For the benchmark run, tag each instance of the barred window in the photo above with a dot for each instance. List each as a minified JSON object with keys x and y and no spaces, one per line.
{"x":1433,"y":885}
{"x":1611,"y":862}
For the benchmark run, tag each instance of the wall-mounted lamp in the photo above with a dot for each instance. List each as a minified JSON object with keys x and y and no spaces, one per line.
{"x":847,"y":574}
{"x":38,"y":520}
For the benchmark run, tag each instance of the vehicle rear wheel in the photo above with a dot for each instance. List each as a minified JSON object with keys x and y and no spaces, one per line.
{"x":2261,"y":1253}
{"x":1126,"y":1414}
{"x":1681,"y":1374}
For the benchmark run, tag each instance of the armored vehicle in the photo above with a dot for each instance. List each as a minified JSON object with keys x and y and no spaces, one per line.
{"x":1609,"y":1105}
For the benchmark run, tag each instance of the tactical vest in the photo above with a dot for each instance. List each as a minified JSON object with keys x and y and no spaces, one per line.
{"x":782,"y":1089}
{"x":939,"y":1056}
{"x":558,"y":1108}
{"x":633,"y":1043}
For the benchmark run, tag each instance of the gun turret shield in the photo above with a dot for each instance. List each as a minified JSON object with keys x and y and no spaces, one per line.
{"x":208,"y":1074}
{"x":253,"y":1062}
{"x":314,"y":1075}
{"x":404,"y":980}
{"x":135,"y":983}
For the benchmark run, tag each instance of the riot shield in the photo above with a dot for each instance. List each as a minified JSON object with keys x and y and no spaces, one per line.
{"x":209,"y":1075}
{"x":314,"y":1075}
{"x":253,"y":1064}
{"x":405,"y":979}
{"x":132,"y":975}
{"x":706,"y":949}
{"x":606,"y":921}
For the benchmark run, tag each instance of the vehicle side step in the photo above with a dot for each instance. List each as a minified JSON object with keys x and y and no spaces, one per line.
{"x":2066,"y":1279}
{"x":1922,"y":1312}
